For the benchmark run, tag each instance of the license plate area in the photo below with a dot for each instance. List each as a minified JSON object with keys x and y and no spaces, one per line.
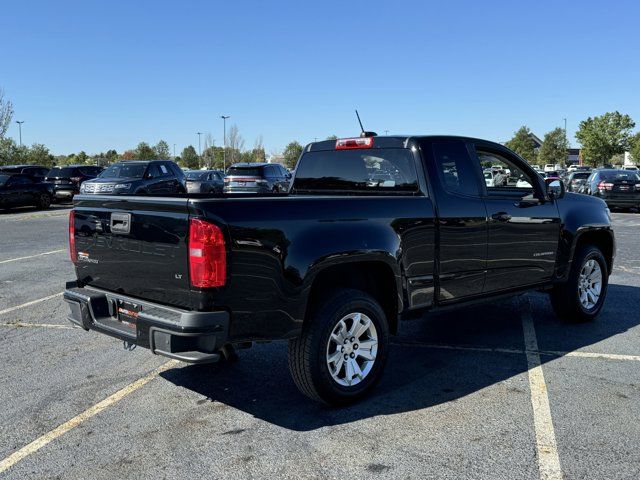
{"x":127,"y":314}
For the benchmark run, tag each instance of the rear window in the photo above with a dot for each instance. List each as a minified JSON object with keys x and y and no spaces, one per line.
{"x":581,"y":175}
{"x":62,"y":172}
{"x":124,"y":170}
{"x":246,"y":171}
{"x":90,"y":170}
{"x":620,"y":175}
{"x":197,"y":175}
{"x":379,"y":170}
{"x":4,"y":178}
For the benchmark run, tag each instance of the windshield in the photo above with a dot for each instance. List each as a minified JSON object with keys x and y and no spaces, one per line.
{"x":389,"y":169}
{"x":124,"y":170}
{"x":197,"y":175}
{"x":4,"y":178}
{"x":620,"y":175}
{"x":488,"y":175}
{"x":245,"y":171}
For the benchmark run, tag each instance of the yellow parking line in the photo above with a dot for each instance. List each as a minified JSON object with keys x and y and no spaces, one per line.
{"x":547,"y":448}
{"x":28,"y":304}
{"x":48,"y":437}
{"x":32,"y":256}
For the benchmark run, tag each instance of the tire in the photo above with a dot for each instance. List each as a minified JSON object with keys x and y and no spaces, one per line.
{"x":566,"y":298}
{"x":44,"y":202}
{"x":309,"y":354}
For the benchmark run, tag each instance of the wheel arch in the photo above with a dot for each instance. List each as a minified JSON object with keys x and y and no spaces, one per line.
{"x":374,"y":276}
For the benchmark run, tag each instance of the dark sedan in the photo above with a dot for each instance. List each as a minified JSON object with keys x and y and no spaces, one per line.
{"x":152,"y":177}
{"x":21,"y":191}
{"x":67,"y":180}
{"x":205,"y":181}
{"x":257,"y":178}
{"x":618,"y":188}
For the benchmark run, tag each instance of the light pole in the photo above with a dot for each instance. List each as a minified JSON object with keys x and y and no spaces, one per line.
{"x":224,"y":139}
{"x":386,"y":132}
{"x":20,"y":122}
{"x":174,"y":151}
{"x":199,"y":153}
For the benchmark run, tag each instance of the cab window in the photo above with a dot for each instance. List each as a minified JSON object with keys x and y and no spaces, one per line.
{"x":455,"y":168}
{"x":502,"y":176}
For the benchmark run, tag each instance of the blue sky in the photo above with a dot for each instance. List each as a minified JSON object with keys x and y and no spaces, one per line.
{"x":97,"y":75}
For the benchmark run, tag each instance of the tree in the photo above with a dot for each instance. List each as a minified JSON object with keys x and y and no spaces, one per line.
{"x":129,"y":155}
{"x":7,"y":151}
{"x":635,"y":148}
{"x":190,"y":158}
{"x":332,"y":137}
{"x":258,"y":154}
{"x":82,"y":157}
{"x":144,"y":152}
{"x":111,"y":155}
{"x":522,"y":143}
{"x":6,"y":114}
{"x":554,"y":148}
{"x":235,"y":145}
{"x":291,"y":154}
{"x":162,"y":150}
{"x":38,"y":154}
{"x":604,"y":136}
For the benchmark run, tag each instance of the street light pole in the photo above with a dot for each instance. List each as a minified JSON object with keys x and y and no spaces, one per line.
{"x":199,"y":152}
{"x":20,"y":122}
{"x":224,"y":139}
{"x":174,"y":151}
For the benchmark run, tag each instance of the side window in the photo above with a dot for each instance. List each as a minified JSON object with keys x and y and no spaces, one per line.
{"x":455,"y":168}
{"x":502,"y":176}
{"x":153,"y":171}
{"x":19,"y":181}
{"x":164,"y":171}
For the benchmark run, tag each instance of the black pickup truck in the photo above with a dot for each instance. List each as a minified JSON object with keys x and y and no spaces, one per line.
{"x":374,"y":230}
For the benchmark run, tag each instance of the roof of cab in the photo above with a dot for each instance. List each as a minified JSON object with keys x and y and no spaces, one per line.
{"x":395,"y":141}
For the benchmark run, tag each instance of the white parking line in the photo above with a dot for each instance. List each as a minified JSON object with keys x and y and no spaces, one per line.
{"x":28,"y":304}
{"x":548,"y":459}
{"x":43,"y":325}
{"x":32,"y":256}
{"x":552,"y":353}
{"x":60,"y":430}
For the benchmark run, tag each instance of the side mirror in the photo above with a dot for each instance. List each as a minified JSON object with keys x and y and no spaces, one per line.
{"x":555,"y":188}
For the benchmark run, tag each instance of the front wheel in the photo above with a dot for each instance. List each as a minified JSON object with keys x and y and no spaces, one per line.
{"x":44,"y":202}
{"x":341,"y":352}
{"x":581,"y":297}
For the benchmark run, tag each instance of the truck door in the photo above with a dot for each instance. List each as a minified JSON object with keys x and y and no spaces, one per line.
{"x":524,"y":227}
{"x":462,"y":218}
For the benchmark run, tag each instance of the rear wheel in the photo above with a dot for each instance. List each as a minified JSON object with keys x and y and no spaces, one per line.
{"x":581,"y":297}
{"x":341,"y":352}
{"x":44,"y":201}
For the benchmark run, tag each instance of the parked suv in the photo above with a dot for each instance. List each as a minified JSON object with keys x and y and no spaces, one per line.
{"x":18,"y":190}
{"x":36,"y":172}
{"x":257,"y":178}
{"x":576,"y":179}
{"x":152,"y":177}
{"x":66,"y":180}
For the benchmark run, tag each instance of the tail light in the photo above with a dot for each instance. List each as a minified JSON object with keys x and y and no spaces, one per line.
{"x":637,"y":186}
{"x":207,"y":255}
{"x":352,"y":143}
{"x":72,"y":236}
{"x":605,"y":186}
{"x":76,"y":179}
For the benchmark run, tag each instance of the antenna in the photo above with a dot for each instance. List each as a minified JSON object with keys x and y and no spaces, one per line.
{"x":364,"y":134}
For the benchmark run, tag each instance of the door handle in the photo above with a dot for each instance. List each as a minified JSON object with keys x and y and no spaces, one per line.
{"x":501,"y":217}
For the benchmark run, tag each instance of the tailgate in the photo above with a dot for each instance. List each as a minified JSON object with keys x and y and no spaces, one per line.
{"x":136,"y":246}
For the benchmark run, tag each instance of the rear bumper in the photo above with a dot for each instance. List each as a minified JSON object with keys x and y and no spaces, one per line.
{"x":192,"y":337}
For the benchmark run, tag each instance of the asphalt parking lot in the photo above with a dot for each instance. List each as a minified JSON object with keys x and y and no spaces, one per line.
{"x":499,"y":391}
